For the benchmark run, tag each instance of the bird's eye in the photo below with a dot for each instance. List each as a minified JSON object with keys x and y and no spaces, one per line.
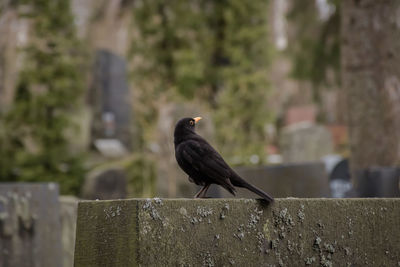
{"x":192,"y":123}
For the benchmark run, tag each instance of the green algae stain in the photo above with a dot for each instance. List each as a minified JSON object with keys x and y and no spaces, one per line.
{"x":267,"y":234}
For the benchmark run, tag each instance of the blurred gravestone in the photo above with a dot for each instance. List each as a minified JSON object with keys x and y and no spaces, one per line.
{"x":68,"y":213}
{"x":289,"y":180}
{"x":110,"y":99}
{"x":105,"y":184}
{"x":301,"y":114}
{"x":378,"y":182}
{"x":30,"y":232}
{"x":339,"y":179}
{"x":305,"y":142}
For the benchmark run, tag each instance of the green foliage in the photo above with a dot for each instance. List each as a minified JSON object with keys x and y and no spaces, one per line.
{"x":315,"y":46}
{"x":33,"y":141}
{"x":170,"y":51}
{"x":141,"y":173}
{"x":242,"y":113}
{"x":213,"y":51}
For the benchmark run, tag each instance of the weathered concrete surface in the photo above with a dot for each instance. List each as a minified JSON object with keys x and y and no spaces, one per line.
{"x":30,"y":229}
{"x":238,"y":232}
{"x":68,"y":215}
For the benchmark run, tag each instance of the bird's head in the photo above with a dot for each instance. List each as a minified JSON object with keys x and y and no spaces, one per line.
{"x":185,"y":126}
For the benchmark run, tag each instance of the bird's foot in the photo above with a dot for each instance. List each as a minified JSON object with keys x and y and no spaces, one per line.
{"x":198,"y":195}
{"x":202,"y":192}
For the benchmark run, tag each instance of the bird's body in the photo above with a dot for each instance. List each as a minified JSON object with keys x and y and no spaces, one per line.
{"x":203,"y":163}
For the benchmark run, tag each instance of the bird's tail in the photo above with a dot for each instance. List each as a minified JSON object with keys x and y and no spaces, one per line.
{"x":259,"y":192}
{"x":242,"y":183}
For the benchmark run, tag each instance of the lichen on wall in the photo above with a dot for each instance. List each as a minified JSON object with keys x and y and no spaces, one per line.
{"x":242,"y":232}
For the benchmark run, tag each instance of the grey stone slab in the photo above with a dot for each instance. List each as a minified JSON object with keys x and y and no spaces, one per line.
{"x":68,"y":213}
{"x":238,"y":232}
{"x":30,"y":231}
{"x":109,"y":183}
{"x":305,"y":143}
{"x":110,"y":98}
{"x":286,"y":180}
{"x":378,"y":182}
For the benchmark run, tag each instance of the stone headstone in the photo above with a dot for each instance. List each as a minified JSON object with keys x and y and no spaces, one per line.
{"x":110,"y":148}
{"x":299,"y":114}
{"x":105,"y":184}
{"x":30,"y":230}
{"x":378,"y":182}
{"x":110,"y":99}
{"x":305,"y":142}
{"x":308,"y":180}
{"x":339,"y":179}
{"x":68,"y":213}
{"x":341,"y":171}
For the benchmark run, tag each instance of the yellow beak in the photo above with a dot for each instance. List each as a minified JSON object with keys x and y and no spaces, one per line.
{"x":196,"y":119}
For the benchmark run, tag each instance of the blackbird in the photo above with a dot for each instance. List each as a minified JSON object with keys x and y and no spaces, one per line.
{"x":203,"y":164}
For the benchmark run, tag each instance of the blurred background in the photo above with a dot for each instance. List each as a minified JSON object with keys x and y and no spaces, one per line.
{"x":90,"y":92}
{"x":301,"y":97}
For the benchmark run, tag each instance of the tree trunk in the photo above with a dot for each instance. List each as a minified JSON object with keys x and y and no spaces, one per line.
{"x":371,"y":80}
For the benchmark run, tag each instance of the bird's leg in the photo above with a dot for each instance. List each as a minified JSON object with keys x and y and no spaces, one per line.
{"x":203,"y":195}
{"x":200,"y":192}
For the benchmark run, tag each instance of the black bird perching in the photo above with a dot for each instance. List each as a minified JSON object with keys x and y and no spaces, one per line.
{"x":204,"y":164}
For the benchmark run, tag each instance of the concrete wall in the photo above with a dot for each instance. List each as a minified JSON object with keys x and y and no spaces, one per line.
{"x":238,"y":232}
{"x":68,"y":214}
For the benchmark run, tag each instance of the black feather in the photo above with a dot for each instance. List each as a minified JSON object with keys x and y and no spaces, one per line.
{"x":203,"y":163}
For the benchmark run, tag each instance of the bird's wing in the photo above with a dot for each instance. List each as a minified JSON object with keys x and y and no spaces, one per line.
{"x":203,"y":158}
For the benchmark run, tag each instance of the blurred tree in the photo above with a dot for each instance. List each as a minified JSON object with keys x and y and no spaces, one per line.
{"x":170,"y":52}
{"x":314,"y":43}
{"x":241,"y":112}
{"x":371,"y":79}
{"x":33,"y":141}
{"x":213,"y":51}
